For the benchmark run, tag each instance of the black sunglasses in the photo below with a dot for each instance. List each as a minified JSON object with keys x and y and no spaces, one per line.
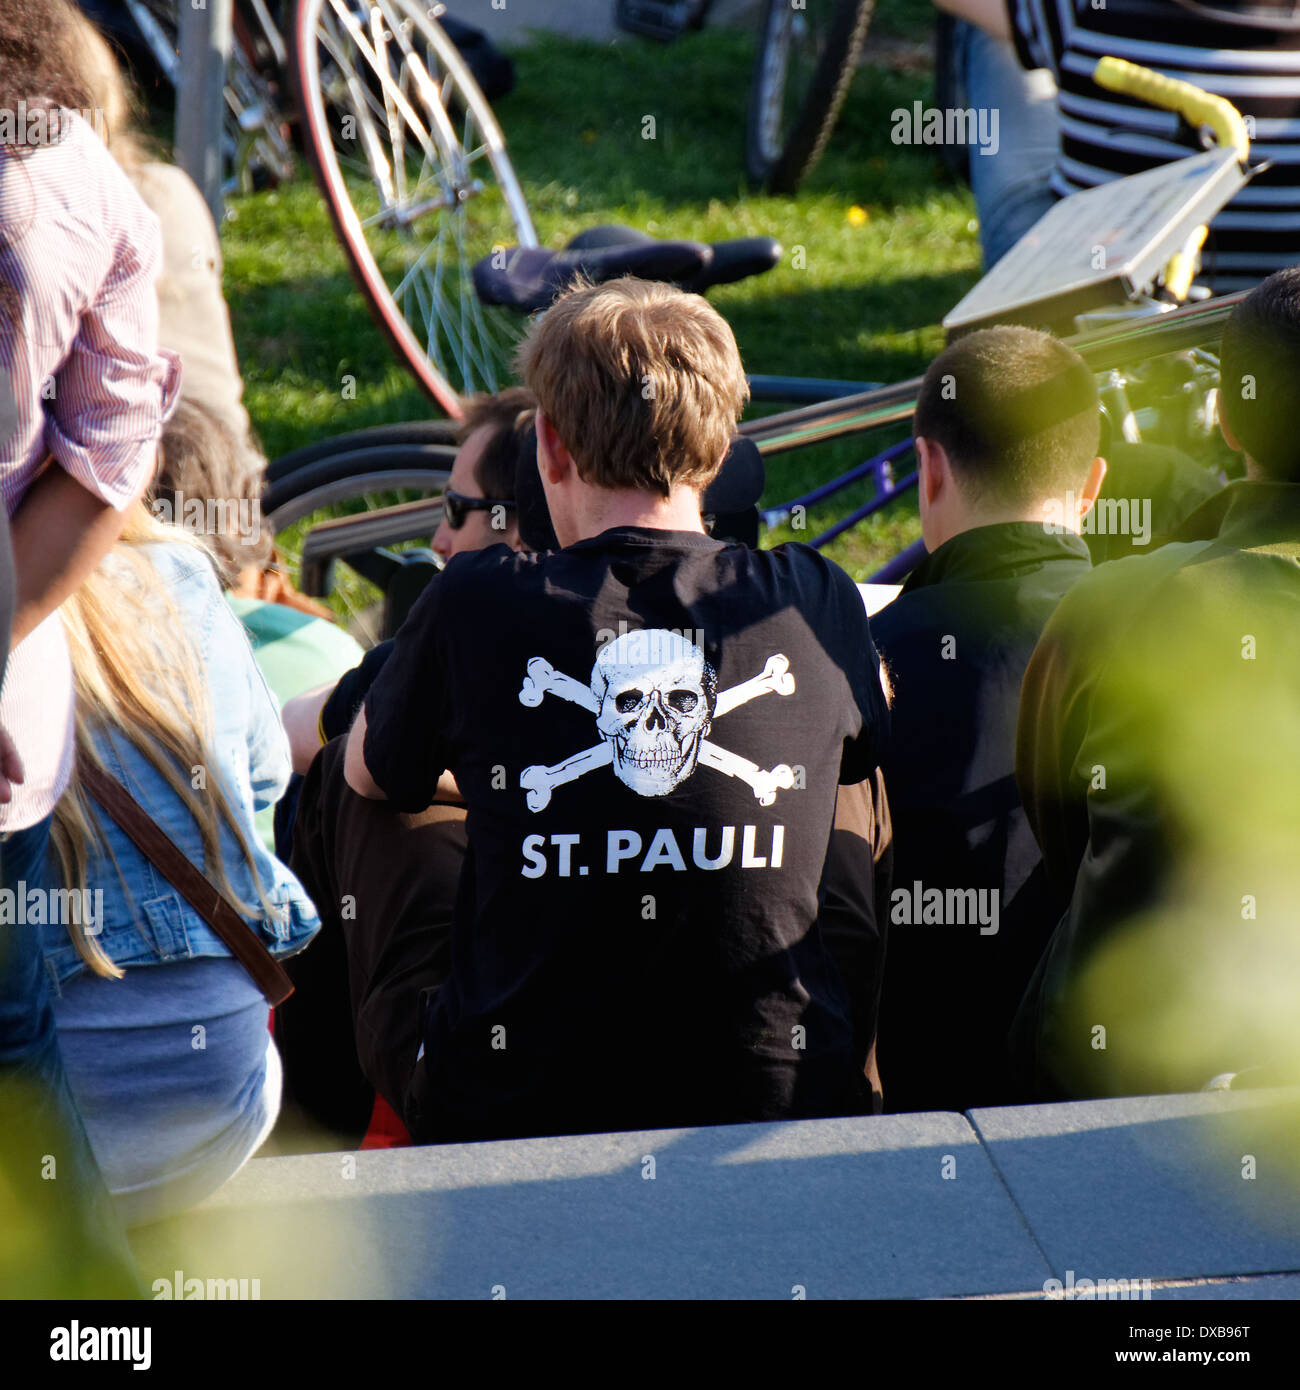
{"x":456,"y":507}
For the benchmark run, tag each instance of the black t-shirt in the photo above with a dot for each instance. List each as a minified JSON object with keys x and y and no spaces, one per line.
{"x":648,"y":728}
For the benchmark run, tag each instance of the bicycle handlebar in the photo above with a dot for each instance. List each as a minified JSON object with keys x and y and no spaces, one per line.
{"x":1197,"y":107}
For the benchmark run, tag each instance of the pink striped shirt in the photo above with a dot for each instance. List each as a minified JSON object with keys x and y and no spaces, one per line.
{"x":90,"y":385}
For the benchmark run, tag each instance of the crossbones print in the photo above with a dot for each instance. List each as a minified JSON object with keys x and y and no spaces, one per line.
{"x":654,"y":698}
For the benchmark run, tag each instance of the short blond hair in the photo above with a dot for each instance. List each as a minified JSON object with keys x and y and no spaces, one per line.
{"x":642,"y":382}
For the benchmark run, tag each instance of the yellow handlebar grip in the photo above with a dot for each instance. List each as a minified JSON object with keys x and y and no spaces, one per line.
{"x":1197,"y":107}
{"x":1181,"y":270}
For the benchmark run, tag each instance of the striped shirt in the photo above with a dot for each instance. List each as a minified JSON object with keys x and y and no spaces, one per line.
{"x":79,"y":255}
{"x":1105,"y":135}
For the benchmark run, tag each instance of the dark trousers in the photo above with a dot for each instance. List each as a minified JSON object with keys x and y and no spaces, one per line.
{"x":385,"y":885}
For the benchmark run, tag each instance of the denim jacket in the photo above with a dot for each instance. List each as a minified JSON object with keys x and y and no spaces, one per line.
{"x":154,"y":925}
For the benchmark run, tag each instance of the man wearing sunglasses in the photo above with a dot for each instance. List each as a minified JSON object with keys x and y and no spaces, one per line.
{"x":352,"y":1022}
{"x":478,"y":503}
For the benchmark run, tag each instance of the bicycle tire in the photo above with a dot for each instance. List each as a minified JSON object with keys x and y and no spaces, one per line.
{"x":780,"y":168}
{"x":411,"y":432}
{"x":318,"y":146}
{"x":381,"y":468}
{"x":330,"y":494}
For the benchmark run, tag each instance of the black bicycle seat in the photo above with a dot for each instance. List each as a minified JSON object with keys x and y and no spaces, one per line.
{"x":733,"y":260}
{"x":528,"y":279}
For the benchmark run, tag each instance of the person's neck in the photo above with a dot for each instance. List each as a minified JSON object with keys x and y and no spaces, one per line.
{"x":603,"y":510}
{"x":974,"y":521}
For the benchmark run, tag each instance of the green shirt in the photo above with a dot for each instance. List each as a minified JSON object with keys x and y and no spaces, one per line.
{"x":296,"y":652}
{"x":1158,"y":747}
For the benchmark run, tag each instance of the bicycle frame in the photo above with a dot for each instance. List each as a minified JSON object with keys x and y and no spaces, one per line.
{"x":1111,"y":347}
{"x":1103,"y":349}
{"x":1114,"y":345}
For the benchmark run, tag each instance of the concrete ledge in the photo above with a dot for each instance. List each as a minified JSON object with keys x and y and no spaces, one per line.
{"x":1165,"y":1187}
{"x":911,"y":1206}
{"x":854,"y":1208}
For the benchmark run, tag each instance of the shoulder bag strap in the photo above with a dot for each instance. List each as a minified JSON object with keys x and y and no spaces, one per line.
{"x":189,"y":881}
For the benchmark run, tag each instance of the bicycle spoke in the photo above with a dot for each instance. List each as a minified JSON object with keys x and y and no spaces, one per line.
{"x":381,"y":72}
{"x":396,"y":140}
{"x":430,"y":189}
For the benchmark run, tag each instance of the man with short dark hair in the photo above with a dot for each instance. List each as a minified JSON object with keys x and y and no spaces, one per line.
{"x":648,"y":726}
{"x":1158,"y":750}
{"x":1006,"y":435}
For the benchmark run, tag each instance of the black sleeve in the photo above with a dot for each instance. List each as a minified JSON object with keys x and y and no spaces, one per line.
{"x":861,"y":665}
{"x":407,"y":708}
{"x":339,"y":711}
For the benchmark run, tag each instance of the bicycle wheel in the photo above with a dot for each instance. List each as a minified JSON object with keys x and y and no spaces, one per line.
{"x":380,"y":467}
{"x":805,"y":62}
{"x":348,"y":483}
{"x":440,"y":433}
{"x":413,"y":168}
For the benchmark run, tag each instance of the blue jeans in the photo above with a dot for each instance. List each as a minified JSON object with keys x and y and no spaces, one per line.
{"x":1010,"y":187}
{"x":59,"y":1235}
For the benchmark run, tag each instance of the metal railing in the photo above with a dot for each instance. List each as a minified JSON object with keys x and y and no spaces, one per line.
{"x":1113,"y":345}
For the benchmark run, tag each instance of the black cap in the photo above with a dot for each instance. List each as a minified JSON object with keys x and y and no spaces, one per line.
{"x":740,"y":481}
{"x":731,"y":498}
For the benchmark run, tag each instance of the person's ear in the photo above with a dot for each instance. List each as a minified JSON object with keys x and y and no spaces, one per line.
{"x":1089,"y":492}
{"x":553,"y":458}
{"x":1225,"y":429}
{"x":933,"y":471}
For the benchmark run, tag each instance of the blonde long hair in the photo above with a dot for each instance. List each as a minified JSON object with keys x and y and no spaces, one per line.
{"x":114,"y":97}
{"x":138,"y":675}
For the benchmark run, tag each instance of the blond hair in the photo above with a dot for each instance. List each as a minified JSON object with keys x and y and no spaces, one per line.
{"x":117,"y":108}
{"x":642,"y":382}
{"x":138,"y":676}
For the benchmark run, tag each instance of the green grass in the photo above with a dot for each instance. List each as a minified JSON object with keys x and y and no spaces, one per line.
{"x":864,"y":306}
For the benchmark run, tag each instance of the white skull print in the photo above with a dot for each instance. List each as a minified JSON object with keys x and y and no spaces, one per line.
{"x":655,"y":696}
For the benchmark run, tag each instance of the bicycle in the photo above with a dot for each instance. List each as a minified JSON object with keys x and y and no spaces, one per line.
{"x":1133,"y":313}
{"x":413,"y":168}
{"x":807,"y":56}
{"x":404,"y":147}
{"x":256,"y":148}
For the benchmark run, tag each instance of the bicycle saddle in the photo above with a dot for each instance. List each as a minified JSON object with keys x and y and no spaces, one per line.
{"x":529,"y":278}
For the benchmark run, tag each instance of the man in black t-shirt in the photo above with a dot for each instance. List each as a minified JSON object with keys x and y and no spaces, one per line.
{"x":648,"y":727}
